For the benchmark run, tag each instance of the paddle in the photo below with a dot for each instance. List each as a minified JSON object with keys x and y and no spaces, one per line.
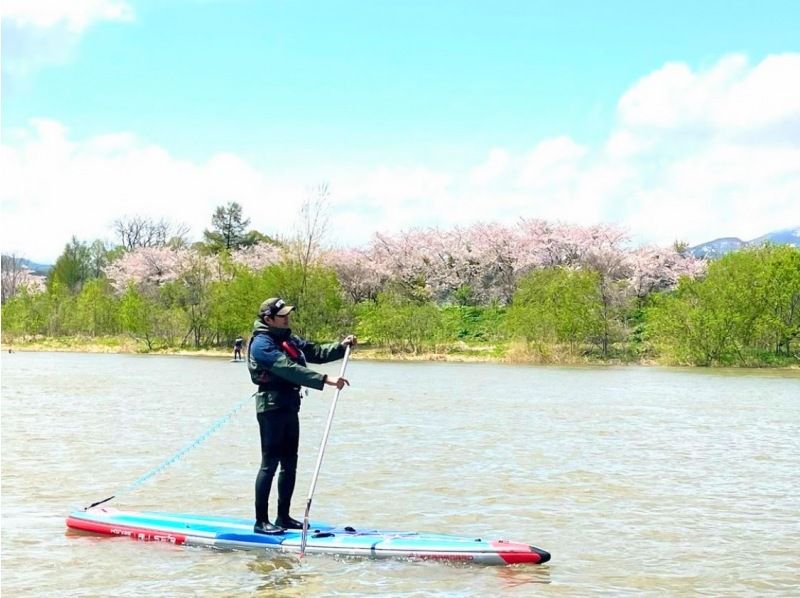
{"x":321,"y":454}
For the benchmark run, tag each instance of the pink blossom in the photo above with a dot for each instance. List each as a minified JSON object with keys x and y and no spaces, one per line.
{"x":151,"y":267}
{"x":360,"y":276}
{"x":658,"y":268}
{"x":257,"y":257}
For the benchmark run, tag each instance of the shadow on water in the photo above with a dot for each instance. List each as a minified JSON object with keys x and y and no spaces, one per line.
{"x":517,"y":576}
{"x":279,"y":572}
{"x":285,"y":572}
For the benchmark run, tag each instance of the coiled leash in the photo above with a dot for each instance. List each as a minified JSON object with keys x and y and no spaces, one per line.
{"x":178,"y":455}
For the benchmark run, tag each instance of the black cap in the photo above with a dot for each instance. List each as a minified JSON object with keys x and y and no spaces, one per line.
{"x":274,"y":307}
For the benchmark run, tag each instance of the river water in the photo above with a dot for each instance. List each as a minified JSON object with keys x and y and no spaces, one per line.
{"x":640,"y":481}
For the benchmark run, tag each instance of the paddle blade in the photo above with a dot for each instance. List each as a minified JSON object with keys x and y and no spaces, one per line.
{"x":304,"y":536}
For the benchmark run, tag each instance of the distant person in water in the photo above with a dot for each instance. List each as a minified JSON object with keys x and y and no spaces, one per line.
{"x":277,"y":361}
{"x":237,"y":348}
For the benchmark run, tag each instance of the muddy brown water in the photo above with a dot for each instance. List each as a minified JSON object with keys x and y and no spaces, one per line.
{"x":640,"y":481}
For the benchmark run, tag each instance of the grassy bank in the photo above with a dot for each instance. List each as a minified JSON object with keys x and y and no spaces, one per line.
{"x":457,"y":352}
{"x":453,"y":352}
{"x":108,"y":344}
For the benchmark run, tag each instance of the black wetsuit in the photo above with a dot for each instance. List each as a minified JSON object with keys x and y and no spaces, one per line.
{"x":277,"y":363}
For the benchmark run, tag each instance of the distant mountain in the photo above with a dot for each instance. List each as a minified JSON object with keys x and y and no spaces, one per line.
{"x":719,"y":247}
{"x":787,"y":236}
{"x":37,"y":268}
{"x":41,"y":269}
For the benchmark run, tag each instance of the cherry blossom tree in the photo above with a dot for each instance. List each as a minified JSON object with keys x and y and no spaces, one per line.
{"x":16,"y":276}
{"x":147,"y":267}
{"x":359,"y":274}
{"x":143,"y":231}
{"x":494,"y":260}
{"x":257,"y":257}
{"x":655,"y":269}
{"x":490,"y":259}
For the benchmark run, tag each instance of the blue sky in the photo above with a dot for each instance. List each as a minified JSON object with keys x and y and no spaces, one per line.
{"x":679,"y":120}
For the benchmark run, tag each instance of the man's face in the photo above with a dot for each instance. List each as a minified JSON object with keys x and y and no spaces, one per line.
{"x":279,"y":321}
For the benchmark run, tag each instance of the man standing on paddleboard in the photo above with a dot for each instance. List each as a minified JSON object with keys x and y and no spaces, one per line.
{"x":277,"y":362}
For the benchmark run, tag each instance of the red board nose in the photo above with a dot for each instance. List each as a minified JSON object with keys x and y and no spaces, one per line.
{"x":515,"y":553}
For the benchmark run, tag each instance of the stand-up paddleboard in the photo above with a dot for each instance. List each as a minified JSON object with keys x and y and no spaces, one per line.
{"x":232,"y":533}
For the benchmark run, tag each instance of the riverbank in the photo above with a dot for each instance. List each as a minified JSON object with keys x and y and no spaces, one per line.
{"x":458,"y":352}
{"x":103,"y":345}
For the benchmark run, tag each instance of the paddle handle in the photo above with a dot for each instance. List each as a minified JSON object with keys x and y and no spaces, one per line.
{"x":321,"y":454}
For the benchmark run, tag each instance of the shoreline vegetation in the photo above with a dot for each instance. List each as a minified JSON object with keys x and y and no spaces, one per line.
{"x":503,"y":353}
{"x":536,"y":292}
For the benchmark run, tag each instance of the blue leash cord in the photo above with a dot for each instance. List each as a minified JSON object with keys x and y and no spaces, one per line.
{"x":178,"y":455}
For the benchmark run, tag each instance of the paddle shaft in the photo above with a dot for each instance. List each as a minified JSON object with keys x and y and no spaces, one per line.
{"x":321,"y":455}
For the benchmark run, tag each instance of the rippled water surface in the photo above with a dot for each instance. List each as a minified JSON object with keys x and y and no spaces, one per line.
{"x":639,"y":481}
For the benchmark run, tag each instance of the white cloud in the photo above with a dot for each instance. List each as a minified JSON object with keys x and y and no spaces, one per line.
{"x":55,"y":187}
{"x":766,"y":96}
{"x":674,"y":96}
{"x":496,"y":165}
{"x":551,"y":161}
{"x":76,"y":15}
{"x":624,"y":144}
{"x":388,"y":199}
{"x":715,"y":152}
{"x":41,"y":32}
{"x":727,"y":99}
{"x":693,"y":155}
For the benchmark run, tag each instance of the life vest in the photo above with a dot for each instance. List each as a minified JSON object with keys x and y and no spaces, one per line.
{"x":260,"y":376}
{"x":292,"y":351}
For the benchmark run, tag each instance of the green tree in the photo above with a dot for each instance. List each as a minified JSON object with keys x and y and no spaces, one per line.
{"x":234,"y":301}
{"x":314,"y":291}
{"x":228,"y":230}
{"x":191,"y":292}
{"x":60,"y":308}
{"x":136,"y":315}
{"x":27,"y":313}
{"x":96,"y":309}
{"x":73,"y":267}
{"x":680,"y":246}
{"x":780,"y":324}
{"x":558,"y":306}
{"x":99,"y":256}
{"x":745,"y":308}
{"x":473,"y":323}
{"x":400,"y":324}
